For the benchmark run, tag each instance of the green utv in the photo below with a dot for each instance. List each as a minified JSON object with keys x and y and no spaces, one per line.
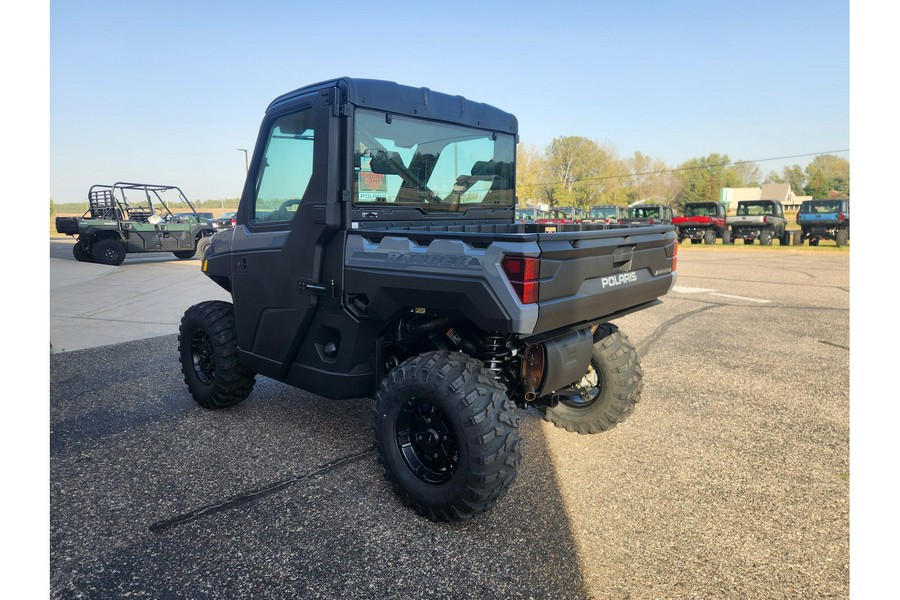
{"x":115,"y":225}
{"x":376,"y":254}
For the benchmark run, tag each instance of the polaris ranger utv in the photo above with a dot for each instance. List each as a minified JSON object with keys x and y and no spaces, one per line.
{"x":824,"y":220}
{"x":376,"y":253}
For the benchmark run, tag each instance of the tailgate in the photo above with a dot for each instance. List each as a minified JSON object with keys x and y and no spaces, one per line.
{"x":592,"y":278}
{"x":818,"y":218}
{"x":584,"y":276}
{"x":746,"y":221}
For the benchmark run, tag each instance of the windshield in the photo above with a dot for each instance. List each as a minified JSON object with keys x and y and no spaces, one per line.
{"x":414,"y":162}
{"x":530,"y":214}
{"x":700,"y":210}
{"x":821,"y":206}
{"x":572,"y":212}
{"x":755,"y":209}
{"x":643,"y":212}
{"x":603,"y":212}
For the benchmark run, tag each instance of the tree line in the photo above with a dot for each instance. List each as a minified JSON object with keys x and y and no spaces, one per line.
{"x":577,"y":171}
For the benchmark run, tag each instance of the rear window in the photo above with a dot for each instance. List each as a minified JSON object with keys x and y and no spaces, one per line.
{"x":436,"y":166}
{"x":820,"y":206}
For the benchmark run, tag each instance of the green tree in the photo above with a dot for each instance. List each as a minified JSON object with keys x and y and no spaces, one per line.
{"x":52,"y":208}
{"x":529,"y":173}
{"x":748,"y":172}
{"x":581,"y":172}
{"x":650,"y":179}
{"x":795,"y":176}
{"x":703,"y":178}
{"x":773,"y":177}
{"x":828,"y":176}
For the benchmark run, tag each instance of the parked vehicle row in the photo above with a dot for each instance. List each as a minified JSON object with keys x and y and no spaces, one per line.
{"x":705,"y":222}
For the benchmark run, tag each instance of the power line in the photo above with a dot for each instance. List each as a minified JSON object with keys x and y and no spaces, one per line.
{"x":694,"y":168}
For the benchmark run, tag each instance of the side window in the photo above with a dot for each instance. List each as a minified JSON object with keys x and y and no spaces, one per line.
{"x":286,"y":168}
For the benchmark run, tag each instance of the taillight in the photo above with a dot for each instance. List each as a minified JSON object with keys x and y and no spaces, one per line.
{"x":523,"y":273}
{"x":765,"y":219}
{"x":651,"y":221}
{"x":840,"y":217}
{"x":675,"y":255}
{"x":233,"y":221}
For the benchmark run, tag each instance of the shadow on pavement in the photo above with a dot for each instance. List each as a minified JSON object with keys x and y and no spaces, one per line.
{"x":279,"y":497}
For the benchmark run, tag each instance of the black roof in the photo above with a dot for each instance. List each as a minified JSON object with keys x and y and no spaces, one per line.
{"x":417,"y":102}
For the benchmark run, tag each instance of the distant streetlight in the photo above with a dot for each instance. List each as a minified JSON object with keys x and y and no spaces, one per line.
{"x":246,"y":158}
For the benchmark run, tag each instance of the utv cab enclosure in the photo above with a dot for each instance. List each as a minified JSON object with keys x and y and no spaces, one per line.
{"x":376,"y":253}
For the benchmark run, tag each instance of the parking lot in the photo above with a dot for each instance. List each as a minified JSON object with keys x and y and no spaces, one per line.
{"x":730,"y":480}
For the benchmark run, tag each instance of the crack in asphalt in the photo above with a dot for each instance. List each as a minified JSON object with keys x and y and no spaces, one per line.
{"x":644,"y":346}
{"x":251,"y":496}
{"x":763,"y":282}
{"x":827,"y":343}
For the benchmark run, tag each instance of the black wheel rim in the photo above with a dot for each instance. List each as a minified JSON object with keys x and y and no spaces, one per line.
{"x":202,"y":357}
{"x":427,"y":442}
{"x":589,"y":387}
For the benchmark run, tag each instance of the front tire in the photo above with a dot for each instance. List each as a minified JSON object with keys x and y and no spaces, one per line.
{"x":108,"y":252}
{"x":447,"y":435}
{"x":202,"y":247}
{"x":207,"y":346}
{"x":610,"y":389}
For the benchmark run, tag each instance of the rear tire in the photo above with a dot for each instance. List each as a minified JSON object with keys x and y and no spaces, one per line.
{"x":840,"y":238}
{"x":765,"y":238}
{"x":80,"y":254}
{"x":709,"y":237}
{"x":726,"y":237}
{"x":610,"y":389}
{"x":108,"y":252}
{"x":447,"y":435}
{"x":207,"y":346}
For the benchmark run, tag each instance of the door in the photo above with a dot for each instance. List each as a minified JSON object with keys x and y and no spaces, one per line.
{"x":280,"y":236}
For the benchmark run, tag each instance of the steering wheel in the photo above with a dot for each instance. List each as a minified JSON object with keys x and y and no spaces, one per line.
{"x":283,"y":213}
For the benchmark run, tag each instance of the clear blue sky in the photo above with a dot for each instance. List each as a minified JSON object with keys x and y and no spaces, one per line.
{"x":164,"y":92}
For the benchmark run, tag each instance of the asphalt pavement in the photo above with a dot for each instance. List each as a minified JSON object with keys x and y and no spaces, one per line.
{"x":730,"y":480}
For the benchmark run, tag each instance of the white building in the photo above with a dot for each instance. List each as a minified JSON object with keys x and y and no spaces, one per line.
{"x":769,"y":191}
